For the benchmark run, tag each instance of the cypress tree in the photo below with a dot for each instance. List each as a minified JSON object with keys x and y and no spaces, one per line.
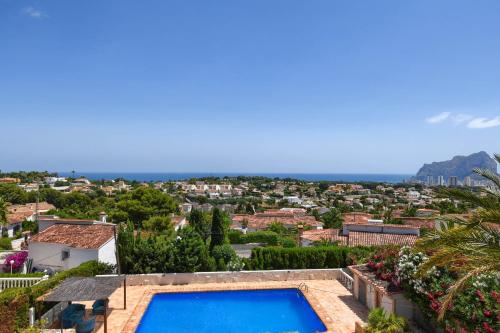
{"x":218,"y":231}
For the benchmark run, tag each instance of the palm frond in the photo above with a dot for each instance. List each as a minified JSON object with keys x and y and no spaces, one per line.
{"x":488,"y":174}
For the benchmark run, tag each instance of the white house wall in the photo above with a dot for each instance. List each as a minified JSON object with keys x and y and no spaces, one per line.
{"x":49,"y":255}
{"x":107,"y":252}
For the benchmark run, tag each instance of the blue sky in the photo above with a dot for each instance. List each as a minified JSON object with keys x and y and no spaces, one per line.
{"x":251,"y":86}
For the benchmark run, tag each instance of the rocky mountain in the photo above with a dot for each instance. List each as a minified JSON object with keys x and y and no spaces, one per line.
{"x":460,"y":166}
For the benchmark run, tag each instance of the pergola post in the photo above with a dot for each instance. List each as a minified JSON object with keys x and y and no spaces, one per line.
{"x":125,"y":292}
{"x":106,"y":315}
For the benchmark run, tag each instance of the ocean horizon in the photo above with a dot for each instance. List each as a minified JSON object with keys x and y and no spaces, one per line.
{"x":177,"y":176}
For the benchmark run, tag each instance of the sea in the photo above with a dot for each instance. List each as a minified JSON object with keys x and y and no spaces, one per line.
{"x":175,"y":176}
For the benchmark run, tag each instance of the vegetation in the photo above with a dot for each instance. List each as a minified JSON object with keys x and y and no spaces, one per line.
{"x":266,"y":237}
{"x":3,"y":215}
{"x":381,"y":322}
{"x":28,"y":176}
{"x":159,"y":224}
{"x":474,"y":309}
{"x":160,"y":254}
{"x":332,"y":219}
{"x":304,"y":257}
{"x":15,"y":302}
{"x":5,"y":243}
{"x":201,"y":223}
{"x":467,"y":248}
{"x":218,"y":229}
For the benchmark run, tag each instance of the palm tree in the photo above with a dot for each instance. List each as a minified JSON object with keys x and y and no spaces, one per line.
{"x":3,"y":215}
{"x":381,"y":322}
{"x":467,"y":247}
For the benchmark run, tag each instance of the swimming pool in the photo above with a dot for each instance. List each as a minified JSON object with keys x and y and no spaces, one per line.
{"x":241,"y":311}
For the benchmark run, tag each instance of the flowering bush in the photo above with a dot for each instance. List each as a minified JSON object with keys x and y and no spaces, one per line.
{"x":382,"y":263}
{"x":475,"y":310}
{"x":235,"y":264}
{"x":19,"y":259}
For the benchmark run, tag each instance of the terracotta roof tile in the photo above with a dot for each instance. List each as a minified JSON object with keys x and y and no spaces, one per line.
{"x":331,"y":235}
{"x":262,"y":222}
{"x":80,"y":236}
{"x":378,"y":239}
{"x":17,"y":217}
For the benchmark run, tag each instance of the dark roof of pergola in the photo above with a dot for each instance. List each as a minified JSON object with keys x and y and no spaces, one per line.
{"x":84,"y":289}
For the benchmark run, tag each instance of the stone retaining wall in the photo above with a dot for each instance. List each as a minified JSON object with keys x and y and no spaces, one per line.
{"x":227,"y":277}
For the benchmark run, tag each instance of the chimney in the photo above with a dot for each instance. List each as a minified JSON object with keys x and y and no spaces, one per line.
{"x":300,"y":229}
{"x":103,"y":216}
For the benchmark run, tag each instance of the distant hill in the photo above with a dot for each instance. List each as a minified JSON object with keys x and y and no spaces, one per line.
{"x":460,"y":166}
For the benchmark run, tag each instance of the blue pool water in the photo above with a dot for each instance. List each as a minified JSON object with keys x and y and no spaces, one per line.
{"x":245,"y":311}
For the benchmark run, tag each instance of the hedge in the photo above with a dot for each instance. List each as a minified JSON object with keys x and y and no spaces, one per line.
{"x":303,"y":257}
{"x":5,"y":243}
{"x":268,"y":237}
{"x":8,"y":275}
{"x":15,"y":302}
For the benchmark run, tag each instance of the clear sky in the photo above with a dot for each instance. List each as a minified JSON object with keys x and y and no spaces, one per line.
{"x":247,"y":85}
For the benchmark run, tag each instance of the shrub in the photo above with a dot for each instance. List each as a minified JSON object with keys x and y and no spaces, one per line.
{"x":299,"y":257}
{"x":5,"y":243}
{"x":267,"y":237}
{"x":224,"y":252}
{"x":288,"y":242}
{"x":381,"y":322}
{"x":235,"y":237}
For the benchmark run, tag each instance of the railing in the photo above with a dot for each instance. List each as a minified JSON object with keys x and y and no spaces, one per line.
{"x":19,"y":282}
{"x":346,"y":280}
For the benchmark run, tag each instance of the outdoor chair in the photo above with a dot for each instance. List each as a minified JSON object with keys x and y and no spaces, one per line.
{"x":72,"y":314}
{"x":85,"y":326}
{"x":98,"y":307}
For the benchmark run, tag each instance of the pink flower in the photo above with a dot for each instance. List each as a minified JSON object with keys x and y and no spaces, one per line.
{"x":488,"y":328}
{"x":480,"y":295}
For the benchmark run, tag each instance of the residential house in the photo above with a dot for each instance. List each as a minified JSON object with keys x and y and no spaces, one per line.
{"x":356,"y":217}
{"x":363,"y":234}
{"x":10,"y":180}
{"x":424,"y":212}
{"x":63,"y":246}
{"x":178,"y":222}
{"x":46,"y":221}
{"x":16,"y":214}
{"x":186,"y":208}
{"x":14,"y":223}
{"x":261,"y":221}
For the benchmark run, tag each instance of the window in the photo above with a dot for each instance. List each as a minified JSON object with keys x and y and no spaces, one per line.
{"x":65,"y":254}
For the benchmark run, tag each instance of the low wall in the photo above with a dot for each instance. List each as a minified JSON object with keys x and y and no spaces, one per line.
{"x":226,"y":277}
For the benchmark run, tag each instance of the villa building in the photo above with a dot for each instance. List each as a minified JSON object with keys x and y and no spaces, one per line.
{"x":363,"y":234}
{"x":64,"y":246}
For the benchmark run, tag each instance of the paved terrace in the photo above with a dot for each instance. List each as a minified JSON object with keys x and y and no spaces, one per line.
{"x":330,"y":299}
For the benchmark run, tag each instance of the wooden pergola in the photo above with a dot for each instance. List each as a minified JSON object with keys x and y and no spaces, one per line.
{"x":76,"y":289}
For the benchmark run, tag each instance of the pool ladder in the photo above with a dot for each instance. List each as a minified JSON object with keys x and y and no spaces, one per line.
{"x":303,"y":287}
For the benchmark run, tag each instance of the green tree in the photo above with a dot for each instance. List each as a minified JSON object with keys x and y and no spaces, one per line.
{"x":467,"y":248}
{"x":410,"y":211}
{"x":223,"y":254}
{"x":277,"y":227}
{"x":200,"y":223}
{"x":332,"y":219}
{"x":3,"y":215}
{"x":139,"y":255}
{"x":190,"y":252}
{"x":143,"y":202}
{"x":12,"y":193}
{"x":218,"y":232}
{"x":159,"y":224}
